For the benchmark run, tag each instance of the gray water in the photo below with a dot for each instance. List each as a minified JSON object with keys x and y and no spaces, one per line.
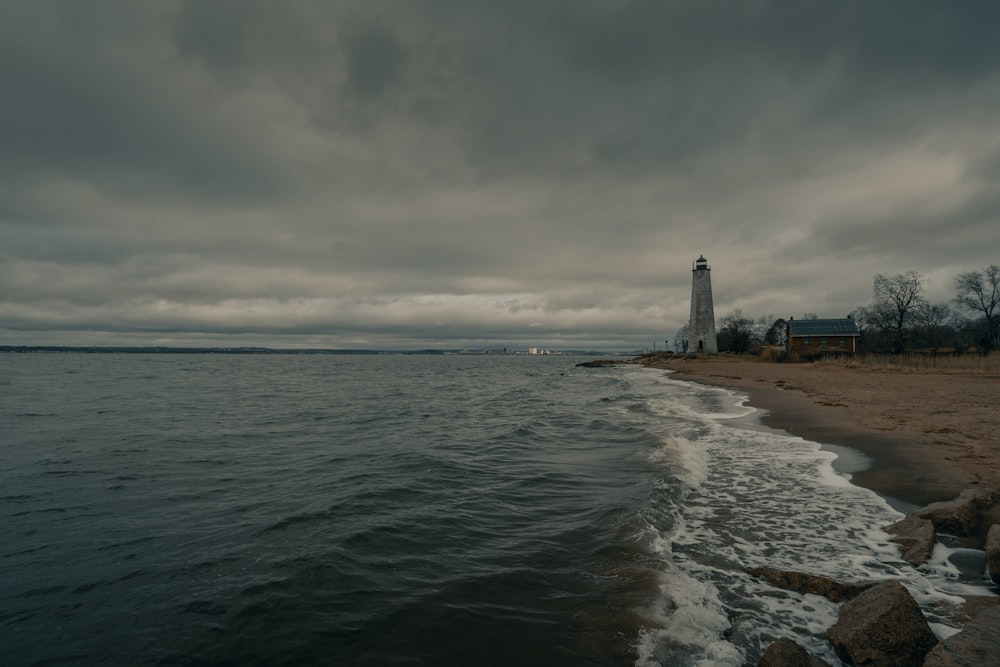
{"x":424,"y":510}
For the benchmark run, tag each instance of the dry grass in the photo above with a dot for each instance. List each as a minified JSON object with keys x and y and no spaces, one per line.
{"x":967,"y":364}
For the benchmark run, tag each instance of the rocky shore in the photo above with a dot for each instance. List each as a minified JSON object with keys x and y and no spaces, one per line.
{"x":933,"y":444}
{"x":880,"y":623}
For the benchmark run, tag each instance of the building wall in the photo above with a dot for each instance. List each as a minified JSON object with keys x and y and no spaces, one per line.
{"x":702,"y":324}
{"x":814,"y":344}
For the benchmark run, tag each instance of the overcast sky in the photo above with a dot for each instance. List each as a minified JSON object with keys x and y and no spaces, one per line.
{"x":474,"y":173}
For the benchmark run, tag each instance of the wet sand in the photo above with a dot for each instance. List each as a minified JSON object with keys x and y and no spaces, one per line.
{"x":928,"y":435}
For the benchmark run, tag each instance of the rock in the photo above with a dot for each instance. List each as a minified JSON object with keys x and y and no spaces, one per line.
{"x":975,"y":646}
{"x":960,"y":516}
{"x":786,"y":653}
{"x":990,"y":516}
{"x":833,"y":590}
{"x":993,"y":553}
{"x":977,"y":604}
{"x":882,"y":627}
{"x":916,"y":536}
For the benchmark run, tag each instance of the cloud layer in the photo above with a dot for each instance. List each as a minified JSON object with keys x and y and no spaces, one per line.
{"x":436,"y":173}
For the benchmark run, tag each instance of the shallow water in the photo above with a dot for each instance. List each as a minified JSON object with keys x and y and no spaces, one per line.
{"x":356,"y":510}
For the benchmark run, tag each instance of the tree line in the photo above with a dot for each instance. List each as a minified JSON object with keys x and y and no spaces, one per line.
{"x":898,"y":319}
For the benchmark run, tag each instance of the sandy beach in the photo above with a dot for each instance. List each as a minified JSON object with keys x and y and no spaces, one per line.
{"x":928,"y":434}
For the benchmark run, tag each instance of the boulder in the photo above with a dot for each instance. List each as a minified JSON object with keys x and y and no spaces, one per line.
{"x":993,"y":553}
{"x":882,"y":627}
{"x":800,"y":582}
{"x":916,"y":536}
{"x":977,"y":604}
{"x":975,"y":646}
{"x":960,"y":516}
{"x":786,"y":653}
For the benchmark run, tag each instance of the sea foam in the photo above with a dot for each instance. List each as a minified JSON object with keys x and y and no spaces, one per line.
{"x":759,"y":497}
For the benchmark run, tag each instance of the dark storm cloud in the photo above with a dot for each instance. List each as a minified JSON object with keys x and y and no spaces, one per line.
{"x":414,"y":171}
{"x":375,"y":58}
{"x":87,"y":91}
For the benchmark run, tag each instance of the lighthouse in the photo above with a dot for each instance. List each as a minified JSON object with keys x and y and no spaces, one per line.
{"x":701,"y":328}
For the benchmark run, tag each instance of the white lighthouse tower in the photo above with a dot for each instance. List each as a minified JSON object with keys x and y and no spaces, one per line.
{"x":701,"y":329}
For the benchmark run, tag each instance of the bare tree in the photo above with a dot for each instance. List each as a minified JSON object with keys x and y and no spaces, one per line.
{"x":979,"y":292}
{"x":776,"y":332}
{"x":896,"y":300}
{"x":681,"y":339}
{"x":933,"y":328}
{"x":736,"y":333}
{"x":878,"y":332}
{"x":860,"y":317}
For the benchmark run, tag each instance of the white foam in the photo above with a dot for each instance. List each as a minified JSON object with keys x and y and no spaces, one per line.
{"x":950,"y":579}
{"x":756,"y":497}
{"x":679,"y":458}
{"x":688,"y":626}
{"x":694,"y":461}
{"x":943,"y":631}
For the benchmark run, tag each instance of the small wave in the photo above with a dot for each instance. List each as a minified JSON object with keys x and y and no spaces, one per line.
{"x":20,"y":498}
{"x":679,"y":457}
{"x":31,"y":550}
{"x":187,"y":570}
{"x":687,"y":626}
{"x":54,"y":462}
{"x":204,"y":608}
{"x":69,"y":473}
{"x":126,"y":543}
{"x":85,"y":588}
{"x":48,"y":590}
{"x":297,"y":519}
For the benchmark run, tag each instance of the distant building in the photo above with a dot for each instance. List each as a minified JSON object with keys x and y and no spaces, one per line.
{"x":830,"y":335}
{"x":701,"y":328}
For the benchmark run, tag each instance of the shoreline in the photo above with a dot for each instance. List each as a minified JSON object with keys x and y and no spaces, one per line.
{"x":927,"y":436}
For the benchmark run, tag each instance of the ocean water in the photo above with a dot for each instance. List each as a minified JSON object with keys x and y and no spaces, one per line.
{"x":415,"y":510}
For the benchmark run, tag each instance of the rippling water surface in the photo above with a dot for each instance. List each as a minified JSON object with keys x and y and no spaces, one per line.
{"x":423,"y":510}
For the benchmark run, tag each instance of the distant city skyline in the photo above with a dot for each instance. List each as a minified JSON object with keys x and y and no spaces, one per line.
{"x":428,"y":175}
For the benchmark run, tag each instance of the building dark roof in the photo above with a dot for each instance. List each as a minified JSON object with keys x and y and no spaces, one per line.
{"x":834,"y":327}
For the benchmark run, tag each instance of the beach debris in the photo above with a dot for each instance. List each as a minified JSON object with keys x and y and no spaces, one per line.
{"x":916,"y":536}
{"x":786,"y":653}
{"x":961,"y":516}
{"x":993,"y":553}
{"x":882,"y":626}
{"x":974,"y":646}
{"x":801,"y":582}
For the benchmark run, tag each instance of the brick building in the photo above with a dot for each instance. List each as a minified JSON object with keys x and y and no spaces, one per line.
{"x":829,"y":335}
